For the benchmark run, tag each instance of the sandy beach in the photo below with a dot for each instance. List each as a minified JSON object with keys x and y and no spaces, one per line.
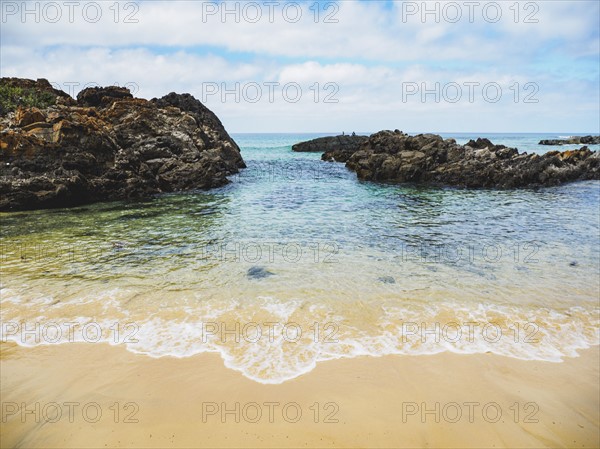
{"x":314,"y":224}
{"x":89,"y":396}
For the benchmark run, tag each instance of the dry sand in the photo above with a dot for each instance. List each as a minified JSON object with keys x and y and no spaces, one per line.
{"x":366,"y":396}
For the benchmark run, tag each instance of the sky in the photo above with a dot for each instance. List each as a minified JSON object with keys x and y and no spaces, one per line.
{"x":323,"y":66}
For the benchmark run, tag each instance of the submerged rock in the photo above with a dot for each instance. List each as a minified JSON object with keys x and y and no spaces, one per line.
{"x":392,"y":156}
{"x":387,"y":279}
{"x":108,"y":146}
{"x":338,"y":148}
{"x":258,"y":273}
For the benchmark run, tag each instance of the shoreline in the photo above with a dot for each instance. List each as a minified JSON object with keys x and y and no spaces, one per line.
{"x":376,"y":401}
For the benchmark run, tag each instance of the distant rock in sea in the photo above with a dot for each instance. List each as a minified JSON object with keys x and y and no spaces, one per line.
{"x":337,"y":148}
{"x":393,"y":156}
{"x":56,"y":151}
{"x":575,"y":140}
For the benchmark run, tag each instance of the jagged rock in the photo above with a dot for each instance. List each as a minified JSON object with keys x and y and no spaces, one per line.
{"x":575,"y":140}
{"x":25,"y":117}
{"x":41,"y":85}
{"x":102,"y":96}
{"x":212,"y":130}
{"x":338,"y":148}
{"x":590,"y":140}
{"x":122,"y":148}
{"x":427,"y":158}
{"x":29,"y":93}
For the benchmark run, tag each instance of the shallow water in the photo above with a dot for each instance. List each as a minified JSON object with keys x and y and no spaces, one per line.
{"x":296,"y":262}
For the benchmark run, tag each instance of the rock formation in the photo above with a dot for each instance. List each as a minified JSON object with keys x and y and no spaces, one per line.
{"x":107,"y":145}
{"x":576,"y":140}
{"x":392,"y":156}
{"x":338,"y":148}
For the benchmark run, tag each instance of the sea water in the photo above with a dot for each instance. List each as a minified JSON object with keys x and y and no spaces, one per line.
{"x":297,"y":262}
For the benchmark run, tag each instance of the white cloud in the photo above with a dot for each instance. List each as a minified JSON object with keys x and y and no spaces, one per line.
{"x":373,"y":51}
{"x":365,"y":30}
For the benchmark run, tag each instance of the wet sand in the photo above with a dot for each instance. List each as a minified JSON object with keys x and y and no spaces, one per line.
{"x":360,"y":402}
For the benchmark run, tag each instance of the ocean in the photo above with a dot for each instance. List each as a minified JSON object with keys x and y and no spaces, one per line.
{"x":297,"y":262}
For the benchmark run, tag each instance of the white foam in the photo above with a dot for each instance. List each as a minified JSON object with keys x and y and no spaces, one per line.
{"x":272,"y":361}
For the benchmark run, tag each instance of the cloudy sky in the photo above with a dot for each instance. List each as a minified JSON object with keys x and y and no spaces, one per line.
{"x":283,"y":66}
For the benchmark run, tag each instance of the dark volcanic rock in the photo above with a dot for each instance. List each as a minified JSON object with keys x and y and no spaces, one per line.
{"x":576,"y":140}
{"x":125,"y":147}
{"x":338,"y":148}
{"x":102,"y":96}
{"x":212,"y":130}
{"x":427,"y":158}
{"x":590,"y":140}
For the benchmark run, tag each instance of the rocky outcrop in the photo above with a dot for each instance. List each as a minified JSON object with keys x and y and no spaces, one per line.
{"x":40,"y":86}
{"x":102,"y":96}
{"x":108,"y":145}
{"x":392,"y":156}
{"x":28,"y":93}
{"x":338,"y":148}
{"x":575,"y":140}
{"x":590,"y":140}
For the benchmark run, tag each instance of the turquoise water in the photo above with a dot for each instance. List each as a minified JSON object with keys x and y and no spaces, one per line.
{"x":340,"y":267}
